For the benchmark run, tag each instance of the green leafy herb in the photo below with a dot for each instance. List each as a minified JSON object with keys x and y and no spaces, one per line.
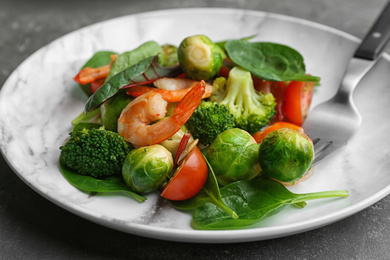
{"x":90,"y":184}
{"x":99,"y":59}
{"x":146,"y":70}
{"x":253,"y":201}
{"x":269,"y":61}
{"x":129,"y":58}
{"x":221,"y":44}
{"x":209,"y":193}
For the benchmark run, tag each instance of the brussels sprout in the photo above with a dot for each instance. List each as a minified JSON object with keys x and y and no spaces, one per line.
{"x":286,"y":155}
{"x":169,"y":55}
{"x":146,"y":168}
{"x":199,"y":57}
{"x":112,"y":108}
{"x":233,"y":156}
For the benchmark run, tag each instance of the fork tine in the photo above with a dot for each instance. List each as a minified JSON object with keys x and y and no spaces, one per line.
{"x":321,"y":150}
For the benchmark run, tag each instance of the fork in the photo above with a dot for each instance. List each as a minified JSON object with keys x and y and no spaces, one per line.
{"x":332,"y":123}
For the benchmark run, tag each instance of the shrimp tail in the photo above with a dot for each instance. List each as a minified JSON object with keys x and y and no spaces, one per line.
{"x":168,"y":95}
{"x":138,"y":91}
{"x":189,"y":103}
{"x":88,"y":74}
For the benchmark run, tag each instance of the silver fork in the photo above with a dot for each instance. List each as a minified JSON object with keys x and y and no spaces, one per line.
{"x":332,"y":123}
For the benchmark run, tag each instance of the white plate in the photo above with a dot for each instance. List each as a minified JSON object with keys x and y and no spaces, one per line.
{"x":39,"y":100}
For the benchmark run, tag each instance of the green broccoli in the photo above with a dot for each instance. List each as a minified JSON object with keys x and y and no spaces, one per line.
{"x":219,"y":89}
{"x":251,"y":109}
{"x":96,"y":152}
{"x":209,"y":120}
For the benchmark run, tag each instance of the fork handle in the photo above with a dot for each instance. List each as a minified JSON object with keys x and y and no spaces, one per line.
{"x":376,"y":39}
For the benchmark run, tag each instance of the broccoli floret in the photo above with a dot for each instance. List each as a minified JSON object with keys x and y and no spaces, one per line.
{"x":209,"y":120}
{"x":96,"y":152}
{"x":252,"y":110}
{"x":219,"y":89}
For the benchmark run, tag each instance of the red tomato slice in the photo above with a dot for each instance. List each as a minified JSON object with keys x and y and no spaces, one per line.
{"x":298,"y":99}
{"x":293,"y":107}
{"x":188,"y":178}
{"x":259,"y":136}
{"x":307,"y":95}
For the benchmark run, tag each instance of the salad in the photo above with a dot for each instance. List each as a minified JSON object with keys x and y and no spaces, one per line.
{"x":214,"y":127}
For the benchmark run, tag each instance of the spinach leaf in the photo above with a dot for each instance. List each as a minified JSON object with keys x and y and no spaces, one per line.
{"x":221,"y":44}
{"x":99,"y":59}
{"x":90,"y":184}
{"x":209,"y":193}
{"x":146,"y":70}
{"x":253,"y":201}
{"x":269,"y":61}
{"x":129,"y":58}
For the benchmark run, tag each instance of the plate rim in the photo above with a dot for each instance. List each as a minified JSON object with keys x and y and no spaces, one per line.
{"x":199,"y":236}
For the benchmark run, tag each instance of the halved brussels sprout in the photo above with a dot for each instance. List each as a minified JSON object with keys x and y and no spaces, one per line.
{"x":199,"y":57}
{"x":146,"y":168}
{"x":233,"y":156}
{"x":286,"y":155}
{"x":168,"y":56}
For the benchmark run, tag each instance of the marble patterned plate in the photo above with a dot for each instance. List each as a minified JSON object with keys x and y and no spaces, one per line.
{"x":39,"y":100}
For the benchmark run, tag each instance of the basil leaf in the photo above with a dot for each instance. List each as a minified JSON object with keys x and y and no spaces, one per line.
{"x":90,"y":184}
{"x":209,"y":193}
{"x":269,"y":61}
{"x":253,"y":201}
{"x":132,"y":57}
{"x":145,"y":70}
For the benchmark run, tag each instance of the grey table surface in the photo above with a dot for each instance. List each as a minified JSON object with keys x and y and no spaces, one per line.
{"x":31,"y":227}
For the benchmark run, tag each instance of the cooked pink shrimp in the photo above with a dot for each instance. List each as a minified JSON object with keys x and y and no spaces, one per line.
{"x":133,"y":123}
{"x":171,"y":89}
{"x":174,"y":83}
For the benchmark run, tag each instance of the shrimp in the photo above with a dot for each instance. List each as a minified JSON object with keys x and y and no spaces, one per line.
{"x":88,"y":74}
{"x":174,"y":83}
{"x":134,"y":121}
{"x":171,"y":89}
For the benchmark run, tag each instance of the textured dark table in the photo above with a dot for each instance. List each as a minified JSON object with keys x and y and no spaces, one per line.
{"x":31,"y":227}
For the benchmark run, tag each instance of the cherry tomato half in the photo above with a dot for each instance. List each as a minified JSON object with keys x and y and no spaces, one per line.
{"x":259,"y":136}
{"x":188,"y":178}
{"x":298,"y":99}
